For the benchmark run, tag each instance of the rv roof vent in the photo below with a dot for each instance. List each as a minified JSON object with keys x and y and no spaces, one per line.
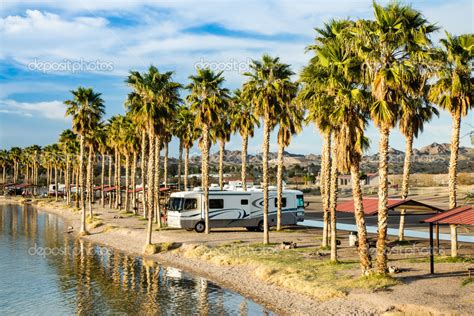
{"x":197,"y":189}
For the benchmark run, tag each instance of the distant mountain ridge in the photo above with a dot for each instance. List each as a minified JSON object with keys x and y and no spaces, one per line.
{"x":433,"y":158}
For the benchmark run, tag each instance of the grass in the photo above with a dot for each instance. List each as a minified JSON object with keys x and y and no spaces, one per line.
{"x":289,"y":268}
{"x":443,"y":259}
{"x":161,"y":247}
{"x":109,"y":228}
{"x":468,"y":281}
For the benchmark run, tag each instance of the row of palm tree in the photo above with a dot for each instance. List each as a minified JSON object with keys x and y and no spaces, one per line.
{"x":385,"y":70}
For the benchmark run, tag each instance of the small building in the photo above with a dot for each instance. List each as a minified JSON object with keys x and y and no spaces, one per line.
{"x":369,"y":180}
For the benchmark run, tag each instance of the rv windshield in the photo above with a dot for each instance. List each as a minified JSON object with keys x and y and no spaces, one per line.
{"x":175,"y":204}
{"x":299,"y":201}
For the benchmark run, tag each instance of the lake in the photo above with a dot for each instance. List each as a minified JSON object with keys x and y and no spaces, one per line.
{"x":45,"y":271}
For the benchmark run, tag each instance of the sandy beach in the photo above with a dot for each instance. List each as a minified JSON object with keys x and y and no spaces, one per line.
{"x":417,"y":292}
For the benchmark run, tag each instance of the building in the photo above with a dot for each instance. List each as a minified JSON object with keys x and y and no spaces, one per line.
{"x":369,"y":180}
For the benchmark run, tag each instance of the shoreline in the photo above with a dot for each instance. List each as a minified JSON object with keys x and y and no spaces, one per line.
{"x":120,"y":235}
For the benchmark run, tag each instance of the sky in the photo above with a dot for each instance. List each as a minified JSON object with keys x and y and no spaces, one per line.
{"x":48,"y":48}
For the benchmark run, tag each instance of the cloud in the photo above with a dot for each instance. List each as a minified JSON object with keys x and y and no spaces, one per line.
{"x":53,"y":110}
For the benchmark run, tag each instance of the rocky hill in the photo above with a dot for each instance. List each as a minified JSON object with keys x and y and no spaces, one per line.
{"x":433,"y":158}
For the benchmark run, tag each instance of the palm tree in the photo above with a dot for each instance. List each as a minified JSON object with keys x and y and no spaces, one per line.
{"x":385,"y":44}
{"x":416,"y":112}
{"x":290,"y":120}
{"x":267,"y":88}
{"x":117,"y":123}
{"x":222,"y":132}
{"x":103,"y":148}
{"x":4,"y":162}
{"x":244,"y":120}
{"x":86,"y":109}
{"x":207,"y":97}
{"x":68,"y":143}
{"x":158,"y":94}
{"x":453,"y":92}
{"x":15,"y":156}
{"x":319,"y":104}
{"x":188,"y":133}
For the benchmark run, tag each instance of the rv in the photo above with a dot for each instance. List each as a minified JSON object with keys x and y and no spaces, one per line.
{"x":232,"y":208}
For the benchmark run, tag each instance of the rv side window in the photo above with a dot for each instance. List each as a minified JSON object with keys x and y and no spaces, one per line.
{"x":299,"y":201}
{"x":190,"y":204}
{"x":216,"y":203}
{"x":283,"y":202}
{"x":244,"y":202}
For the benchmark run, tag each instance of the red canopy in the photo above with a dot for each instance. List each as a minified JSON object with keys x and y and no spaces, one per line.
{"x":462,"y":215}
{"x":371,"y":205}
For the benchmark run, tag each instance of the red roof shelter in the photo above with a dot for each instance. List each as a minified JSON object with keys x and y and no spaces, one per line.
{"x":371,"y":206}
{"x":462,"y":215}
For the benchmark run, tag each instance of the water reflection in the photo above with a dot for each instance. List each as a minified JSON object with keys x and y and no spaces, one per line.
{"x":46,"y":271}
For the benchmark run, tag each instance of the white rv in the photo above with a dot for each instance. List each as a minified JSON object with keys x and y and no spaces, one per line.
{"x":232,"y":208}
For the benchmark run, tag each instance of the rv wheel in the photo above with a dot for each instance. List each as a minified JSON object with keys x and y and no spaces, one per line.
{"x":260,"y":226}
{"x":200,"y":227}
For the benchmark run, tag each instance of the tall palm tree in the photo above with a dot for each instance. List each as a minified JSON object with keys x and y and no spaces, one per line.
{"x":68,"y":143}
{"x":15,"y":156}
{"x":86,"y":109}
{"x":206,"y":98}
{"x":133,"y":102}
{"x":4,"y":162}
{"x":243,"y":120}
{"x":385,"y":44}
{"x":222,"y":132}
{"x":415,"y":113}
{"x":187,"y":133}
{"x":453,"y":92}
{"x":290,"y":121}
{"x":319,"y":104}
{"x":158,"y":94}
{"x":267,"y":88}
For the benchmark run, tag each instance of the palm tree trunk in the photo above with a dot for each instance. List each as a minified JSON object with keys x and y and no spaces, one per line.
{"x":143,"y":173}
{"x":157,"y":179}
{"x":265,"y":150}
{"x":333,"y":204}
{"x":453,"y":160}
{"x":77,"y":187}
{"x":180,"y":162}
{"x":119,"y":181}
{"x":83,"y":185}
{"x":127,"y":182}
{"x":68,"y":180}
{"x":165,"y":165}
{"x":324,"y":186}
{"x":186,"y":167}
{"x":150,"y":180}
{"x":454,"y":240}
{"x":405,"y":182}
{"x":279,"y":184}
{"x":90,"y":189}
{"x":205,"y":173}
{"x":102,"y":183}
{"x":364,"y":255}
{"x":111,"y":162}
{"x":221,"y":163}
{"x":56,"y":182}
{"x":243,"y":173}
{"x":134,"y":183}
{"x":383,"y":200}
{"x":453,"y":166}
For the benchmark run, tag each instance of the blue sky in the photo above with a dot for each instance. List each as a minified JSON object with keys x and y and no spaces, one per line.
{"x":95,"y":43}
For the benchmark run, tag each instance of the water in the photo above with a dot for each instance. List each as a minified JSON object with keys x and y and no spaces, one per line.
{"x":44,"y":271}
